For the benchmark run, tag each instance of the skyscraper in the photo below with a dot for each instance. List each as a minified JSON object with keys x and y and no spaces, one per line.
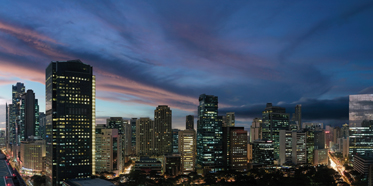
{"x":209,"y":134}
{"x":133,"y":136}
{"x":71,"y":121}
{"x":361,"y":123}
{"x":144,"y":137}
{"x":187,"y":149}
{"x":108,"y":151}
{"x":298,"y":115}
{"x":189,"y":122}
{"x":229,"y":119}
{"x":256,"y":130}
{"x":162,"y":130}
{"x":29,"y":117}
{"x":42,"y":124}
{"x":274,"y":120}
{"x":14,"y":117}
{"x":175,"y":141}
{"x":124,"y":131}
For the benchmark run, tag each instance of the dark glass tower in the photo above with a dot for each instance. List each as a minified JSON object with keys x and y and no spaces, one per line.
{"x":175,"y":141}
{"x":274,"y":119}
{"x":14,"y":117}
{"x":189,"y":122}
{"x":29,"y":118}
{"x":70,"y":115}
{"x":209,"y":134}
{"x":133,"y":137}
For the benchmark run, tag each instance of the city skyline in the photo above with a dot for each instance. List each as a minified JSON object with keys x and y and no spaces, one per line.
{"x":146,"y":54}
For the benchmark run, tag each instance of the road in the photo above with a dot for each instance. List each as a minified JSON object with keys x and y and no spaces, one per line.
{"x":337,"y":166}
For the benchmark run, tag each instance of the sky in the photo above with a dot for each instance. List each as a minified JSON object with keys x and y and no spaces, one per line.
{"x":149,"y":53}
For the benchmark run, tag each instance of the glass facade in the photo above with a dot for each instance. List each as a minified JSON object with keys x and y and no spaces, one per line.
{"x":263,"y":152}
{"x":360,"y":126}
{"x":175,"y":141}
{"x":209,"y":134}
{"x":274,"y":119}
{"x":70,"y":126}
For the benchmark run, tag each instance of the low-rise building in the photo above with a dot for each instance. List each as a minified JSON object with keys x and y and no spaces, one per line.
{"x":148,"y":165}
{"x":31,"y":157}
{"x":172,"y":164}
{"x":320,"y":157}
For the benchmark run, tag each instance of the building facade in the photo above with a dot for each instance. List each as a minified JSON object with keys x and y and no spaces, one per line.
{"x":256,"y":130}
{"x":32,"y":155}
{"x":209,"y":134}
{"x":29,"y":116}
{"x":144,"y":137}
{"x":162,"y":130}
{"x":187,"y":149}
{"x":175,"y":141}
{"x":189,"y":122}
{"x":263,"y":152}
{"x":229,"y":120}
{"x":133,"y":136}
{"x":71,"y":121}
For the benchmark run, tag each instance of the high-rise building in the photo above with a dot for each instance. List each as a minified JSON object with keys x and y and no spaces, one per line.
{"x":189,"y":122}
{"x":144,"y":137}
{"x":108,"y":151}
{"x":320,"y":157}
{"x":32,"y":155}
{"x":293,"y":147}
{"x":162,"y":130}
{"x":274,"y":120}
{"x":344,"y":131}
{"x":187,"y":149}
{"x":175,"y":141}
{"x":133,"y":137}
{"x":262,"y":152}
{"x":256,"y":130}
{"x":42,"y":124}
{"x":209,"y":134}
{"x":360,"y":123}
{"x":124,"y":130}
{"x":14,"y":117}
{"x":298,"y":115}
{"x":71,"y":121}
{"x":229,"y":120}
{"x":336,"y":134}
{"x":234,"y":148}
{"x":312,"y":126}
{"x":29,"y":116}
{"x":172,"y":164}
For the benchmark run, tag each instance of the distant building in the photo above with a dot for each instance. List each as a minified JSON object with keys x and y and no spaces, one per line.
{"x":148,"y":165}
{"x":29,"y":116}
{"x":336,"y":134}
{"x":144,"y":137}
{"x":172,"y":164}
{"x":235,"y":148}
{"x":133,"y":136}
{"x":162,"y":130}
{"x":109,"y":151}
{"x":315,"y":140}
{"x":249,"y":152}
{"x":274,"y":120}
{"x":175,"y":141}
{"x":256,"y":130}
{"x":42,"y":124}
{"x":360,"y":123}
{"x":229,"y":120}
{"x":189,"y":122}
{"x":293,"y":147}
{"x":32,"y":155}
{"x":320,"y":157}
{"x":2,"y":138}
{"x":298,"y":115}
{"x":345,"y":131}
{"x":312,"y":126}
{"x":187,"y":149}
{"x":263,"y":152}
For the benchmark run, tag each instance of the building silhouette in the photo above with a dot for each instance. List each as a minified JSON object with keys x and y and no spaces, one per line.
{"x":162,"y":130}
{"x":144,"y":137}
{"x":71,"y":121}
{"x":189,"y":122}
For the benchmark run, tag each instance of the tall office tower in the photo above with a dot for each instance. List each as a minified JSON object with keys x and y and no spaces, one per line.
{"x":238,"y":149}
{"x":162,"y":130}
{"x":298,"y":115}
{"x":274,"y":120}
{"x":42,"y":124}
{"x":144,"y":137}
{"x":29,"y":117}
{"x":14,"y":116}
{"x":229,"y":120}
{"x":71,"y":121}
{"x":344,"y":131}
{"x":209,"y":134}
{"x":127,"y":135}
{"x":262,"y":152}
{"x":336,"y":134}
{"x":108,"y":151}
{"x":133,"y":137}
{"x":189,"y":122}
{"x":123,"y":130}
{"x":256,"y":130}
{"x":32,"y":155}
{"x":234,"y":148}
{"x":315,"y":140}
{"x":360,"y":117}
{"x":187,"y":149}
{"x":175,"y":141}
{"x":293,"y":147}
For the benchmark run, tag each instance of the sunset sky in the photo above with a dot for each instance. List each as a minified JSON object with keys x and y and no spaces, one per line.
{"x":149,"y":53}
